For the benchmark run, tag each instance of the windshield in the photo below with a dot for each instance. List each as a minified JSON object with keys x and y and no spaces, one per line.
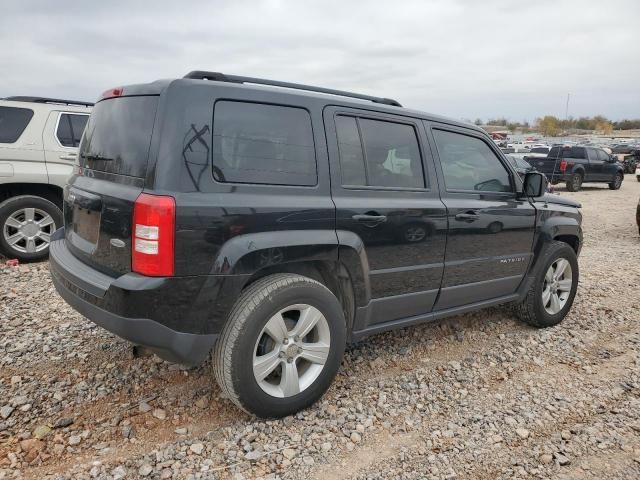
{"x":118,"y":135}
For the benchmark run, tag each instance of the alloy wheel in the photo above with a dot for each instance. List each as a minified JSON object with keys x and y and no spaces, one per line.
{"x":557,"y":286}
{"x":28,"y":230}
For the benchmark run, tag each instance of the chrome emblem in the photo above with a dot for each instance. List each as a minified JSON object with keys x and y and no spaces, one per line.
{"x":116,"y":242}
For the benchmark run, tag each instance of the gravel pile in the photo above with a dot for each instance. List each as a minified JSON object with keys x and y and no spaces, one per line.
{"x":476,"y":396}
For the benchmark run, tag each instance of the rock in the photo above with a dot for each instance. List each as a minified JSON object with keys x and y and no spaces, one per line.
{"x":128,"y":431}
{"x":144,"y":407}
{"x":522,"y":432}
{"x":289,"y":453}
{"x":181,"y":431}
{"x":119,"y":472}
{"x":63,"y":422}
{"x":562,"y":459}
{"x":546,"y":458}
{"x":41,"y":432}
{"x":253,"y":455}
{"x":6,"y":411}
{"x":31,"y":444}
{"x":356,"y":437}
{"x":326,"y":446}
{"x":455,"y":365}
{"x":75,"y":440}
{"x":197,"y":448}
{"x":160,"y":414}
{"x":145,"y":470}
{"x":15,"y":379}
{"x":308,"y":460}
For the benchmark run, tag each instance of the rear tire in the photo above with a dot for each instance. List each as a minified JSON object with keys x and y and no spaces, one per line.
{"x":26,"y":224}
{"x":265,"y":313}
{"x":617,"y":182}
{"x":575,"y":182}
{"x":638,"y":178}
{"x":534,"y":309}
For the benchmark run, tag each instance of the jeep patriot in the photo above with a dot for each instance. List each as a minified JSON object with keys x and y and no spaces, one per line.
{"x":266,"y":224}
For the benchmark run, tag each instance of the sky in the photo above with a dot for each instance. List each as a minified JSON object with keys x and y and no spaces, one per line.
{"x":464,"y":59}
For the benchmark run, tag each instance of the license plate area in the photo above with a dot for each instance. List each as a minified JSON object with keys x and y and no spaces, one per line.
{"x":86,"y":224}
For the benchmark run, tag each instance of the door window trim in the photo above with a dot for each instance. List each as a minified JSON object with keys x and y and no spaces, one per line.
{"x":55,"y":129}
{"x":431,"y":126}
{"x":367,"y":115}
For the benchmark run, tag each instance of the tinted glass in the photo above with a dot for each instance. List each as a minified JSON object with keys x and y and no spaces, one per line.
{"x":63,"y":132}
{"x":567,"y":152}
{"x":351,"y":157}
{"x":392,"y":154}
{"x":13,"y":121}
{"x":539,"y":150}
{"x":469,"y":164}
{"x":118,"y":135}
{"x":256,"y":143}
{"x":602,"y":155}
{"x":78,"y":122}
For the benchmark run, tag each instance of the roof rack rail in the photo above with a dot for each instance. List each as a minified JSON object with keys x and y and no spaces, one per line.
{"x":221,"y":77}
{"x":49,"y":100}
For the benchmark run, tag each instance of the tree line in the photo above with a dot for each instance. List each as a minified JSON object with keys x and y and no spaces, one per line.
{"x":553,"y":126}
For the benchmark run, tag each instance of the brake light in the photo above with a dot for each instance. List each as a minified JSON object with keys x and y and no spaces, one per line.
{"x":563,"y":165}
{"x":154,"y":222}
{"x":112,"y":93}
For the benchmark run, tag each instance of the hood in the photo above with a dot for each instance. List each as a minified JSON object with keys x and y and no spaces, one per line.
{"x":557,"y":199}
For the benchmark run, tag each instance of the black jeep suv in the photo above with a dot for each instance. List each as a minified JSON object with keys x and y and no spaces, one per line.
{"x":216,"y":214}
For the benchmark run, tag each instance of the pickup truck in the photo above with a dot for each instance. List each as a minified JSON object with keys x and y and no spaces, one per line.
{"x":576,"y":165}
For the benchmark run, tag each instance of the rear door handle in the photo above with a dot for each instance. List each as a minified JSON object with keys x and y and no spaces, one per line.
{"x":469,"y":216}
{"x":370,"y":218}
{"x":68,"y":157}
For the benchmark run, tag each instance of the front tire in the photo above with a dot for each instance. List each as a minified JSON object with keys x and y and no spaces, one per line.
{"x":617,"y":182}
{"x":281,"y":346}
{"x":575,"y":182}
{"x":26,"y":225}
{"x":551,"y":295}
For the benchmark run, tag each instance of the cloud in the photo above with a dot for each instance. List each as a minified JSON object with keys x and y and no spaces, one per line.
{"x":463,"y":58}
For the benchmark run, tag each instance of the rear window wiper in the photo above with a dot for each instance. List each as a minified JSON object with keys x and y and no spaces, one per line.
{"x":96,"y":157}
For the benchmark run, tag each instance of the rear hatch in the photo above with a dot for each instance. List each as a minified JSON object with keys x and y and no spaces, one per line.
{"x":558,"y":159}
{"x":100,"y":197}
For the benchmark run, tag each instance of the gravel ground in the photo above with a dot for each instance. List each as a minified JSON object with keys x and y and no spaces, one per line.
{"x":479,"y":396}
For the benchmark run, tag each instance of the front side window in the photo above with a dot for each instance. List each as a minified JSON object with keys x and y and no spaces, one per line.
{"x":13,"y":122}
{"x":266,"y":144}
{"x":469,"y":164}
{"x":70,"y":128}
{"x":378,"y":153}
{"x":602,"y":155}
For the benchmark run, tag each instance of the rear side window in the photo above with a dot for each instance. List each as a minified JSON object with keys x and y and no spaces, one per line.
{"x":469,"y":164}
{"x":118,"y":135}
{"x":378,"y":153}
{"x":266,"y":144}
{"x":70,"y":128}
{"x":568,"y":152}
{"x":13,"y":121}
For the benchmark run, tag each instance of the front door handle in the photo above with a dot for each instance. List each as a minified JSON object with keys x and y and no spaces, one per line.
{"x":68,"y":157}
{"x":469,"y":216}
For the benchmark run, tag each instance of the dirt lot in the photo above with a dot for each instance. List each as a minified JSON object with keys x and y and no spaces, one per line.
{"x":479,"y":396}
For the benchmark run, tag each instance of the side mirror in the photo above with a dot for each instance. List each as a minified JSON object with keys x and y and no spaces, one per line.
{"x":534,"y":184}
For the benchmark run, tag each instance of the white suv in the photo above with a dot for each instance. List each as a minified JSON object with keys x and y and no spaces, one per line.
{"x":39,"y":140}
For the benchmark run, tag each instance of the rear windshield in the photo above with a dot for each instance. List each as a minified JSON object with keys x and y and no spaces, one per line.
{"x":118,"y":135}
{"x":13,"y":121}
{"x":539,"y":150}
{"x":567,"y":152}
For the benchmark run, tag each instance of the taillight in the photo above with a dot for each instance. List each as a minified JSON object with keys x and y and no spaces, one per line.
{"x":153,"y":236}
{"x":563,"y":165}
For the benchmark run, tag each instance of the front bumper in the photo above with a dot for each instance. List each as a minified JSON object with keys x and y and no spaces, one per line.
{"x":105,"y":301}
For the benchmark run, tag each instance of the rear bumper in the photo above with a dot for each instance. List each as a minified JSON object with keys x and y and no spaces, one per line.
{"x":105,"y":301}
